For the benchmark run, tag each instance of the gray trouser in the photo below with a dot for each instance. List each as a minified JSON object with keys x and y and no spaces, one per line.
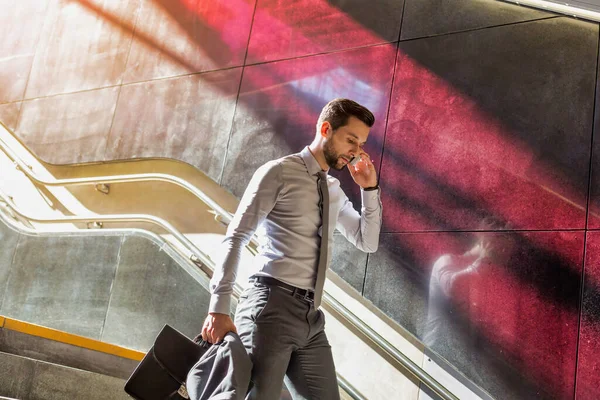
{"x":285,"y":337}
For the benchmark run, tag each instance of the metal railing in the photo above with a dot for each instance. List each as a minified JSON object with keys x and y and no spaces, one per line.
{"x":221,"y":214}
{"x":589,"y":10}
{"x":98,"y":180}
{"x":195,"y":253}
{"x":386,"y":346}
{"x":205,"y":263}
{"x":202,"y":261}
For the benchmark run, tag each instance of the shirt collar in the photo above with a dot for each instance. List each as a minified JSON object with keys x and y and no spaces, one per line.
{"x":312,"y":165}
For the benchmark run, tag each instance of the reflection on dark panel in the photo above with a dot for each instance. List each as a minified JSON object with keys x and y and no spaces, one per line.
{"x":588,"y":365}
{"x":349,"y":262}
{"x":285,"y":29}
{"x":492,"y":123}
{"x":280,"y":103}
{"x":501,"y":307}
{"x":594,"y":201}
{"x":433,"y":17}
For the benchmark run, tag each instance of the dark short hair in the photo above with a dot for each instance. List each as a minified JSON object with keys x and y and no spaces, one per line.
{"x":337,"y":112}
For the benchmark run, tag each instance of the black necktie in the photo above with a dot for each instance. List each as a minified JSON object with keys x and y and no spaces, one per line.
{"x":323,"y":252}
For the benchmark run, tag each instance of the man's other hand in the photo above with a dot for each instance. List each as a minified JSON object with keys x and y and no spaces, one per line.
{"x":216,"y":327}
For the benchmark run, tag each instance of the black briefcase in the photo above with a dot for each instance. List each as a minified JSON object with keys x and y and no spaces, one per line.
{"x":162,"y":373}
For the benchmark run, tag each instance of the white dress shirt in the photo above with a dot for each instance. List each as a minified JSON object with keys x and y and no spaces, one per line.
{"x":281,"y":204}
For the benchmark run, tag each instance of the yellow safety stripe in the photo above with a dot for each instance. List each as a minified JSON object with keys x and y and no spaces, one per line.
{"x":69,"y":338}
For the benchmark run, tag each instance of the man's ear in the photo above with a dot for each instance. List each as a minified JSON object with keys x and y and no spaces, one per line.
{"x":325,"y":127}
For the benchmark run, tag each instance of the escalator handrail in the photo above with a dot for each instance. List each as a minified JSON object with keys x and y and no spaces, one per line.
{"x":390,"y":349}
{"x":224,"y":215}
{"x":206,"y":266}
{"x":195,"y":253}
{"x":197,"y":256}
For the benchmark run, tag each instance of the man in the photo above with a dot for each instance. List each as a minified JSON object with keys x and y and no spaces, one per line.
{"x":292,"y":199}
{"x":451,"y":328}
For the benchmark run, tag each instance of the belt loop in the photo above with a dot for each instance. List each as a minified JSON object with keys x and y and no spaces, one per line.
{"x":295,"y":291}
{"x":307,"y":296}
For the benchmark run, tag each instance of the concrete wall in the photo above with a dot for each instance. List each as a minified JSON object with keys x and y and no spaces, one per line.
{"x":484,"y":110}
{"x":117,"y":288}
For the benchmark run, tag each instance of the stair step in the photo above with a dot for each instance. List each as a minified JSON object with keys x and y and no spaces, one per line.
{"x":24,"y":378}
{"x":42,"y":349}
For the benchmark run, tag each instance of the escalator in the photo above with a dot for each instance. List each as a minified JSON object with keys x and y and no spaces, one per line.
{"x":113,"y":251}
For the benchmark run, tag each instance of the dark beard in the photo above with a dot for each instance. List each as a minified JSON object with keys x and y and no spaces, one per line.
{"x":331,"y":157}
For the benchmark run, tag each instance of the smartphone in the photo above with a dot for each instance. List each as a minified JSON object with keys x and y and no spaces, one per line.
{"x":354,"y":161}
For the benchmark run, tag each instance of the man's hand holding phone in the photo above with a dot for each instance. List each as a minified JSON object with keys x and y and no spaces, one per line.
{"x":363,"y":171}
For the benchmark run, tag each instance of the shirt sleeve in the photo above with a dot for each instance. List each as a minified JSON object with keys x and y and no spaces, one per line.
{"x":362,"y":230}
{"x":257,"y":202}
